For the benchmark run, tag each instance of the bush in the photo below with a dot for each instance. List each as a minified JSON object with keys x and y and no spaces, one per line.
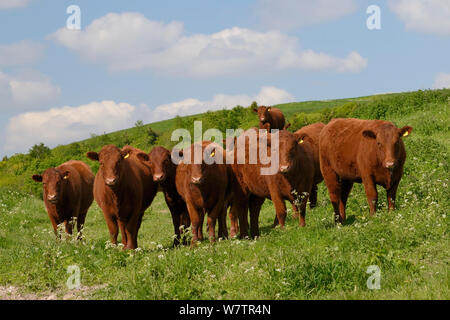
{"x":39,"y":151}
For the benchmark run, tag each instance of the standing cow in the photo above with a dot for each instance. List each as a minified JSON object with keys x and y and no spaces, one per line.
{"x":163,"y":171}
{"x":270,"y":118}
{"x":310,"y":135}
{"x":123,"y":189}
{"x":367,"y":151}
{"x":67,"y":194}
{"x":206,"y":187}
{"x":292,"y":182}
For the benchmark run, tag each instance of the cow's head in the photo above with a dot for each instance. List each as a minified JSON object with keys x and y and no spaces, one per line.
{"x":388,"y":141}
{"x":111,"y":161}
{"x":211,"y":153}
{"x":160,"y":163}
{"x":288,"y":151}
{"x":263,"y":113}
{"x":53,"y":181}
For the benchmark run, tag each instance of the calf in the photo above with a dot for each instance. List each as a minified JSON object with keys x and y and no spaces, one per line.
{"x":206,"y":188}
{"x":123,"y":189}
{"x":310,"y":135}
{"x":270,"y":118}
{"x":294,"y":177}
{"x":367,"y":151}
{"x":67,"y":192}
{"x":163,"y":171}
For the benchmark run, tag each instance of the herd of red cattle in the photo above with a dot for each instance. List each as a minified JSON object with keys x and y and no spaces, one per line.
{"x":341,"y":153}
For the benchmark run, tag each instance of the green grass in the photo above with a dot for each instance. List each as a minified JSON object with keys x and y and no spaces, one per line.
{"x":322,"y":261}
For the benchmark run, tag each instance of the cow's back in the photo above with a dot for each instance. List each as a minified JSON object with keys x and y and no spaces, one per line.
{"x":344,"y":148}
{"x":312,"y":133}
{"x":277,"y":119}
{"x":81,"y":184}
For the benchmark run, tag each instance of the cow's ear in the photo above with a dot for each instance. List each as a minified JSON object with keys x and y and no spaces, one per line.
{"x":300,"y":137}
{"x":143,"y":156}
{"x":268,"y":109}
{"x":405,"y":131}
{"x":178,"y":152}
{"x":66,"y":175}
{"x":126,"y":152}
{"x":37,"y":177}
{"x":92,"y":155}
{"x":369,"y":134}
{"x":255,"y":110}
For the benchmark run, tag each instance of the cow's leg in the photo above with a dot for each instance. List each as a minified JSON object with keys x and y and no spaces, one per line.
{"x":275,"y":221}
{"x":195,"y":217}
{"x":200,"y":226}
{"x":334,"y":190}
{"x":176,"y":221}
{"x":346,"y":187}
{"x":280,"y":206}
{"x":132,"y":228}
{"x":391,"y":194}
{"x":80,"y":224}
{"x":68,"y":224}
{"x":237,"y":210}
{"x":185,"y":222}
{"x":176,"y":218}
{"x":295,"y":215}
{"x":211,"y":221}
{"x":371,"y":193}
{"x":302,"y":216}
{"x":223,"y":230}
{"x":123,"y":232}
{"x":111,"y":222}
{"x":255,"y":204}
{"x":313,"y":197}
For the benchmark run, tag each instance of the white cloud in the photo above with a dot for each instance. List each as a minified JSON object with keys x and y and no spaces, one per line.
{"x":442,"y":81}
{"x":427,"y":16}
{"x":21,"y":53}
{"x":10,"y":4}
{"x":26,"y":90}
{"x":267,"y":96}
{"x":292,"y":14}
{"x":129,"y":41}
{"x":66,"y":124}
{"x":354,"y":62}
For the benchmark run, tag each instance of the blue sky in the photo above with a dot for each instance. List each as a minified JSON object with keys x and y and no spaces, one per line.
{"x":152,"y":60}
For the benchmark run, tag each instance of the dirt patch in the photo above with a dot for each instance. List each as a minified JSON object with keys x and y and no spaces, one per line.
{"x":14,"y":293}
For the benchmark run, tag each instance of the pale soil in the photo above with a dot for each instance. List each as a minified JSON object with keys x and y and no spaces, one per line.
{"x":14,"y":293}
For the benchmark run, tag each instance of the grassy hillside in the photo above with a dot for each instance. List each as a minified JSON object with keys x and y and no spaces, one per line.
{"x":322,"y":261}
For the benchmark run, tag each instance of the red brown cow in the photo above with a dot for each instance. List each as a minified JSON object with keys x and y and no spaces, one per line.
{"x":367,"y":151}
{"x":163,"y":171}
{"x":270,"y":118}
{"x":206,"y":187}
{"x":67,"y":194}
{"x":123,"y":189}
{"x":310,"y":135}
{"x":293,"y":182}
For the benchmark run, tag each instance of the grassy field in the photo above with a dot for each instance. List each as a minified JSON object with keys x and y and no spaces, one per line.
{"x":322,"y":261}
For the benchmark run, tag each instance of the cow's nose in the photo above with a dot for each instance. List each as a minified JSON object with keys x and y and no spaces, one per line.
{"x":389,"y":165}
{"x":263,"y":119}
{"x":159,"y":177}
{"x":111,"y":181}
{"x":196,"y":180}
{"x":52,"y":197}
{"x":284,"y":169}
